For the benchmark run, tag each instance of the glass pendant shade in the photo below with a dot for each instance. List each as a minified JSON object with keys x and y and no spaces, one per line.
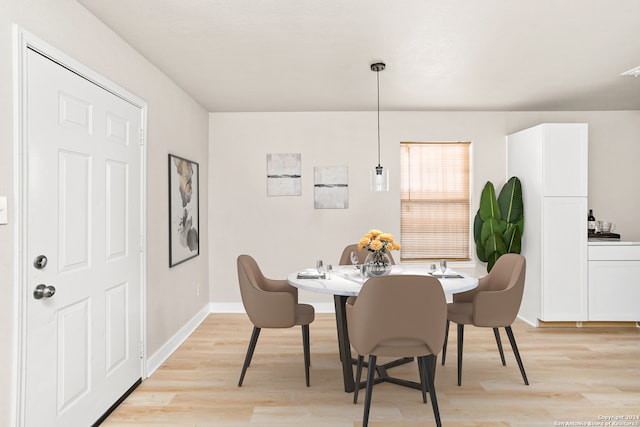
{"x":379,"y":179}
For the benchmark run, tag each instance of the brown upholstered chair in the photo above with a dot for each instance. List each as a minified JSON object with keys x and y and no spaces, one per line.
{"x":345,"y":259}
{"x":398,"y":316}
{"x":271,"y":304}
{"x":493,"y":304}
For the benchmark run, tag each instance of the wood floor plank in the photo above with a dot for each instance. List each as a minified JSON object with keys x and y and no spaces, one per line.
{"x":575,"y":375}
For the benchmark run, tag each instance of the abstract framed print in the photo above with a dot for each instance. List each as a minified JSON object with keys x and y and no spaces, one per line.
{"x":184,"y":214}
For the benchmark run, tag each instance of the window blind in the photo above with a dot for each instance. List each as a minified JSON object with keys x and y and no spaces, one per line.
{"x":435,"y":200}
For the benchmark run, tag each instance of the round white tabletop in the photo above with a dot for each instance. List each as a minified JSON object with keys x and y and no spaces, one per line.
{"x":347,"y":281}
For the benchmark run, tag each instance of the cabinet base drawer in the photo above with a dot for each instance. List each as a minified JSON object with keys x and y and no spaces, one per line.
{"x":620,"y":252}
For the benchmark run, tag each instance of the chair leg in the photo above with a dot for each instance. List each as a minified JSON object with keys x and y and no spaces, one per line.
{"x":422,"y":369}
{"x":371,"y":369}
{"x":446,"y":338}
{"x":430,"y":363}
{"x":252,"y":346}
{"x":434,"y":363}
{"x":512,"y":340}
{"x":358,"y":375}
{"x":307,"y":351}
{"x":460,"y":341}
{"x":496,"y":332}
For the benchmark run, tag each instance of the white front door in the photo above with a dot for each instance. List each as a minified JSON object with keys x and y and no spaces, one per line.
{"x":83,"y":342}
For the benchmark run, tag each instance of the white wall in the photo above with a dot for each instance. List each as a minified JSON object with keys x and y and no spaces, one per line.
{"x":176,"y":124}
{"x":287,"y":233}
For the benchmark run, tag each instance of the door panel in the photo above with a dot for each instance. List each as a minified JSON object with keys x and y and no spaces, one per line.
{"x":75,"y":113}
{"x":117,"y":207}
{"x":84,"y":214}
{"x":74,"y":213}
{"x":73,"y":355}
{"x":117,"y":345}
{"x":117,"y":129}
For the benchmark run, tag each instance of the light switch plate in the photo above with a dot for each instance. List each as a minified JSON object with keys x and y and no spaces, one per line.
{"x":3,"y":210}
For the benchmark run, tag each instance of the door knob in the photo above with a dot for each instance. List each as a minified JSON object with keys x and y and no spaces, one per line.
{"x":43,"y":291}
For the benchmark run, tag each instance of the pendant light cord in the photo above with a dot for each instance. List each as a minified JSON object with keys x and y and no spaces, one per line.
{"x":378,"y":82}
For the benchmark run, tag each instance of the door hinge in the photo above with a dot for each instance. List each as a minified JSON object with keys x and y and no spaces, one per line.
{"x":141,"y":350}
{"x":141,"y":243}
{"x":141,"y":136}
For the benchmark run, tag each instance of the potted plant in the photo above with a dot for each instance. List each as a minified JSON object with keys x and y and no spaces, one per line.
{"x":499,"y":223}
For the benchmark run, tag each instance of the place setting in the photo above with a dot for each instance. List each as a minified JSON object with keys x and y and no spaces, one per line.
{"x":444,"y":272}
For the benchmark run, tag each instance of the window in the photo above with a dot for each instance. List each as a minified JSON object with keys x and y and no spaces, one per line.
{"x":435,"y":200}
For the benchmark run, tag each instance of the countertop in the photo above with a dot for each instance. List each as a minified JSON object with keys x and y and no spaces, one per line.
{"x":606,"y":242}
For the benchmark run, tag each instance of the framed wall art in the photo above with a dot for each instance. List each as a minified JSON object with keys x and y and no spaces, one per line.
{"x":331,"y":187}
{"x":184,"y":214}
{"x":283,"y":174}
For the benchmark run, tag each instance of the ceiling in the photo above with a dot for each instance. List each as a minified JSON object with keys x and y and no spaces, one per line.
{"x":315,"y":55}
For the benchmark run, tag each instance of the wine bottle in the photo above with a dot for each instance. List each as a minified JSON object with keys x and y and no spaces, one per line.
{"x":591,"y":222}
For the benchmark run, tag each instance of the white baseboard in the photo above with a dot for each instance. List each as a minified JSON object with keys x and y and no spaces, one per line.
{"x":323,"y":307}
{"x":535,"y":323}
{"x":226,"y":307}
{"x":237,"y":307}
{"x":159,"y":357}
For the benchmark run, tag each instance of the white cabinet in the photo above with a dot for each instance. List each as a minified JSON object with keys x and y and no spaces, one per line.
{"x":614,"y":282}
{"x":564,"y":272}
{"x":565,"y":160}
{"x":551,"y":162}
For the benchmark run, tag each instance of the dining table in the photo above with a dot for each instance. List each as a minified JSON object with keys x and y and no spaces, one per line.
{"x":344,"y":281}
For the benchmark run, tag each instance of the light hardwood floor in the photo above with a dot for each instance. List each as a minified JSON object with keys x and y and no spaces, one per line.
{"x":575,"y":375}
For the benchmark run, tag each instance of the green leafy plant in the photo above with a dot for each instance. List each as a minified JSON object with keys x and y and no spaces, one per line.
{"x":499,"y":222}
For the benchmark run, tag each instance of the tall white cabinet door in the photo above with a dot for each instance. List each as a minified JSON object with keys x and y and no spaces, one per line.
{"x":564,"y":255}
{"x":565,"y":159}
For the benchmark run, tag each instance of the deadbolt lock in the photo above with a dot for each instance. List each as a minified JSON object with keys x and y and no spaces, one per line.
{"x":40,"y":262}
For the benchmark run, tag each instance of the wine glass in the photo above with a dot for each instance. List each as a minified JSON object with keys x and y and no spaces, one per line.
{"x":443,"y":266}
{"x":363,"y":272}
{"x":320,"y":266}
{"x":322,"y":271}
{"x":354,"y":259}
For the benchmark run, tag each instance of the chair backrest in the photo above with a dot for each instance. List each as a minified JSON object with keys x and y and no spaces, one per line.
{"x":345,"y":259}
{"x":410,"y":310}
{"x":500,"y":309}
{"x":266,"y":309}
{"x":507,"y":272}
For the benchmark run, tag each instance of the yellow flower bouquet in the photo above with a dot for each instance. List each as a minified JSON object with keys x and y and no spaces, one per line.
{"x":377,"y":241}
{"x":379,"y":244}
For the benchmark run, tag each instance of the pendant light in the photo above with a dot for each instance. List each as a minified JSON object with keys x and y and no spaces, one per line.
{"x":379,"y":176}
